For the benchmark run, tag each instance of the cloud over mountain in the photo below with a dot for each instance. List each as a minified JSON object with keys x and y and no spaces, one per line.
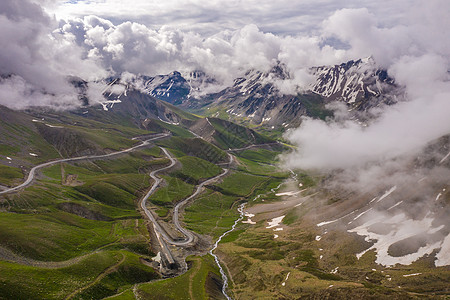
{"x":281,"y":17}
{"x":135,"y":48}
{"x":400,"y":129}
{"x":41,"y":51}
{"x":33,"y":63}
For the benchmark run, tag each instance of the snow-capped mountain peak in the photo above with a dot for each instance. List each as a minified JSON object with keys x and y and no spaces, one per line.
{"x":351,"y":82}
{"x":172,"y":87}
{"x":256,"y":95}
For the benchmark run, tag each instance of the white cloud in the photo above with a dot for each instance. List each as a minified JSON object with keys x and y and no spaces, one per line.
{"x":402,"y":129}
{"x":33,"y":63}
{"x":136,"y":48}
{"x":224,"y":39}
{"x":209,"y":17}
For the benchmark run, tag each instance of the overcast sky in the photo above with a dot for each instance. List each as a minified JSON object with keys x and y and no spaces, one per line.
{"x":294,"y":17}
{"x":44,"y":41}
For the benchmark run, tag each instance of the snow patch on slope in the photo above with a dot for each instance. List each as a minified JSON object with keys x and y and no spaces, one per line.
{"x":402,"y":228}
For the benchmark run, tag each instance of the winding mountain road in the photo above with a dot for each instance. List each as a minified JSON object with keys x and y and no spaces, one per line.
{"x":33,"y":170}
{"x":188,"y":234}
{"x":176,"y":210}
{"x":252,"y":146}
{"x":161,"y":234}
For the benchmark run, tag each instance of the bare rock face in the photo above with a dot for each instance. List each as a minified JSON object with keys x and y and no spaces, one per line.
{"x":256,"y":97}
{"x":360,"y":83}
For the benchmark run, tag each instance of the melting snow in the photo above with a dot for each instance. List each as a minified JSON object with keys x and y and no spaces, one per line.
{"x":332,"y":221}
{"x":318,"y":237}
{"x":409,"y":275}
{"x":111,"y":102}
{"x":274,"y":189}
{"x":443,"y":256}
{"x":361,"y":214}
{"x":335,"y":270}
{"x":438,"y":196}
{"x":53,"y":126}
{"x":157,"y":257}
{"x":395,"y":205}
{"x":404,"y":228}
{"x":275,"y":236}
{"x":257,"y":197}
{"x":170,"y":86}
{"x":445,"y":157}
{"x":371,"y":91}
{"x":287,"y":277}
{"x":288,"y":193}
{"x":275,"y":222}
{"x":33,"y":154}
{"x":249,"y":220}
{"x":171,"y":123}
{"x":387,"y":193}
{"x":373,"y":200}
{"x":8,"y":158}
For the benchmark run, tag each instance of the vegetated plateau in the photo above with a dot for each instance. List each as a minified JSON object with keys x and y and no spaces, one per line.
{"x":78,"y":230}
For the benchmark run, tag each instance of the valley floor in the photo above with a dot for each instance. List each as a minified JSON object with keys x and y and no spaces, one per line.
{"x":139,"y":223}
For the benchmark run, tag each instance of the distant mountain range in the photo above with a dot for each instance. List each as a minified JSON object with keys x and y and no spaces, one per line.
{"x":255,"y":98}
{"x":360,"y":84}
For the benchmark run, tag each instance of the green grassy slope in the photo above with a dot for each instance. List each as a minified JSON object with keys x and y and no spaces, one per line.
{"x":195,"y":147}
{"x":197,"y":283}
{"x":93,"y":277}
{"x":75,"y":231}
{"x":230,"y":135}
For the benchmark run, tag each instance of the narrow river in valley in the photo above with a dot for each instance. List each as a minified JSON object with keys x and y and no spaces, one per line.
{"x":222,"y":272}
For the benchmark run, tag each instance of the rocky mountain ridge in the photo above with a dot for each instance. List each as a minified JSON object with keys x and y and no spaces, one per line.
{"x":256,"y":96}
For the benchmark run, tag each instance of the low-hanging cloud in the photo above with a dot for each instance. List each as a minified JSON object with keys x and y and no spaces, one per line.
{"x":367,"y":157}
{"x":43,"y":51}
{"x":400,"y":131}
{"x":40,"y":53}
{"x":33,"y":63}
{"x":133,"y":47}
